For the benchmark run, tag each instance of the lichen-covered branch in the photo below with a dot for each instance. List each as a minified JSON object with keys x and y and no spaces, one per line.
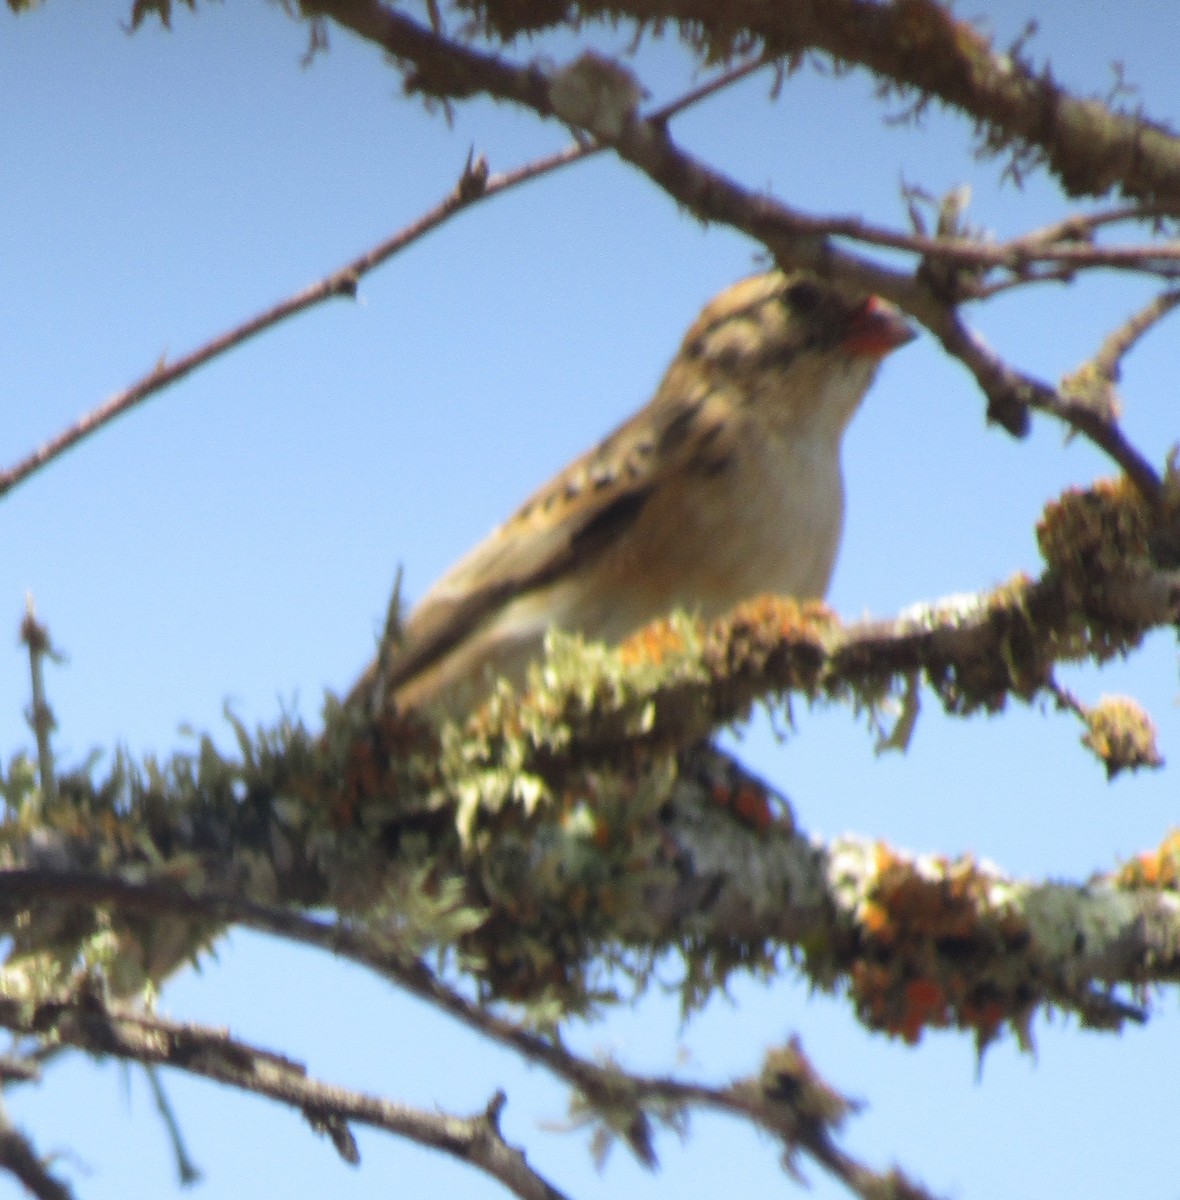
{"x":676,"y":681}
{"x":690,"y":855}
{"x":916,"y":941}
{"x":429,"y":835}
{"x":918,"y":47}
{"x":576,"y":828}
{"x":786,"y":1098}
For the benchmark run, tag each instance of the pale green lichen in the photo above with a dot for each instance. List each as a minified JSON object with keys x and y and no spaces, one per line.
{"x":1064,"y":922}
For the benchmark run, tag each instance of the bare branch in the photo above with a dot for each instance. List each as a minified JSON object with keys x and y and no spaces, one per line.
{"x":89,"y":1023}
{"x":19,"y":1158}
{"x":789,"y":1100}
{"x":1011,"y":394}
{"x":1119,"y":344}
{"x":794,"y":237}
{"x":1105,"y":368}
{"x":187,"y":1171}
{"x":474,"y":185}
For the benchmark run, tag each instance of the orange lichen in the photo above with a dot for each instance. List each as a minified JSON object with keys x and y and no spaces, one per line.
{"x":775,"y":618}
{"x":749,"y":803}
{"x":877,"y":920}
{"x":918,"y":925}
{"x":1158,"y":868}
{"x":766,"y":630}
{"x":925,"y":1004}
{"x":654,"y":643}
{"x":943,"y":906}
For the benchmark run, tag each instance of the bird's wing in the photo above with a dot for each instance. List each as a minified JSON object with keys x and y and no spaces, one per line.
{"x":575,"y":516}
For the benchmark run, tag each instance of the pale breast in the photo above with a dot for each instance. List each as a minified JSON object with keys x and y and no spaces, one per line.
{"x":758,"y":510}
{"x":768,"y":520}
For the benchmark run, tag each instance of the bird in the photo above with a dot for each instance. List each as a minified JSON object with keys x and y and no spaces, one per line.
{"x":727,"y":484}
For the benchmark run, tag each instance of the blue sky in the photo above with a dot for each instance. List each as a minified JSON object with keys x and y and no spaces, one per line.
{"x":236,"y":538}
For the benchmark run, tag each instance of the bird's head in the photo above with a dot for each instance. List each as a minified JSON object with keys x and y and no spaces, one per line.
{"x":794,"y":346}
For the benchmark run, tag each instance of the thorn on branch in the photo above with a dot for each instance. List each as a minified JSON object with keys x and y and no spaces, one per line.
{"x":495,"y":1107}
{"x":473,"y":182}
{"x":317,"y":41}
{"x":1120,"y":87}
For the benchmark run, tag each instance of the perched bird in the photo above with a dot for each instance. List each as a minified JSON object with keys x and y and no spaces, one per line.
{"x":726,"y":485}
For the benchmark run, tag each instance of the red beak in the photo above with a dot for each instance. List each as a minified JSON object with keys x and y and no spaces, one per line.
{"x":876,"y":328}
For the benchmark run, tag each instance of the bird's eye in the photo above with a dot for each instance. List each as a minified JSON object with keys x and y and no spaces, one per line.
{"x":804,"y":298}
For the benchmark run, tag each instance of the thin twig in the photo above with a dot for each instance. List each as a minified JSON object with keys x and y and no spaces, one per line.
{"x":1012,"y":393}
{"x":187,"y":1171}
{"x":474,"y":185}
{"x":1093,"y":385}
{"x":19,"y":1158}
{"x":342,"y":282}
{"x":91,"y":1024}
{"x":606,"y":1087}
{"x":36,"y":637}
{"x":1108,"y":360}
{"x":1081,"y":227}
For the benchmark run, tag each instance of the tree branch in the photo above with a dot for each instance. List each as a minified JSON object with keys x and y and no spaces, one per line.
{"x":603,"y":98}
{"x":912,"y":46}
{"x":918,"y":942}
{"x":803,"y":1117}
{"x":90,"y":1023}
{"x":474,"y":185}
{"x":409,"y":825}
{"x":20,"y":1159}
